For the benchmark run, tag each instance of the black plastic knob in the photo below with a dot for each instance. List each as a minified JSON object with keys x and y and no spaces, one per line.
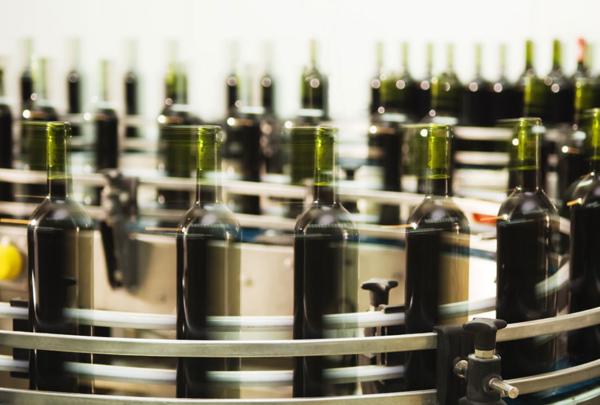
{"x":484,"y":332}
{"x":379,"y":290}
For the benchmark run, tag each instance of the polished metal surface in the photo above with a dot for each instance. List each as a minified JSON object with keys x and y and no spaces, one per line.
{"x":25,"y":397}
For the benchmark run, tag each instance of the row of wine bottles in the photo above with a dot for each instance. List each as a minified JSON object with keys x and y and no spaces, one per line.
{"x":477,"y":102}
{"x":530,"y":260}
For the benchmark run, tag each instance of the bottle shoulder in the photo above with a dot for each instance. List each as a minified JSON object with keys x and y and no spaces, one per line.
{"x":325,"y":216}
{"x":436,"y":212}
{"x":521,"y":204}
{"x":67,"y":212}
{"x":214,"y":217}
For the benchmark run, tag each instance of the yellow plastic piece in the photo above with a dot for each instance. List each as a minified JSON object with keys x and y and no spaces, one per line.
{"x":11,"y":261}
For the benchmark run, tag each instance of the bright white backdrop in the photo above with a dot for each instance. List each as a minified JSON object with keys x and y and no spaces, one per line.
{"x":346,"y":29}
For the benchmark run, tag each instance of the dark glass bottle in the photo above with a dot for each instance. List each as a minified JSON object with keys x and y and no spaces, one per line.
{"x":527,"y":255}
{"x":437,"y":255}
{"x":33,"y":138}
{"x":560,"y":90}
{"x":208,"y":267}
{"x":423,"y":93}
{"x":325,"y":274}
{"x":583,"y":206}
{"x":504,"y":97}
{"x":60,"y":251}
{"x":131,"y":91}
{"x":398,"y":90}
{"x":376,"y":81}
{"x":74,"y":85}
{"x":477,"y":97}
{"x":26,"y":79}
{"x":267,"y":84}
{"x":314,"y":89}
{"x":582,"y":69}
{"x":106,"y":125}
{"x":6,"y":140}
{"x":572,"y":162}
{"x":446,"y":94}
{"x":232,"y":83}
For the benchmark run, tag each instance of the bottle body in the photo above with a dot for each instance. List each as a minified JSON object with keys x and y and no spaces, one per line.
{"x":527,"y":257}
{"x":437,"y":272}
{"x":208,"y":284}
{"x":325,"y":283}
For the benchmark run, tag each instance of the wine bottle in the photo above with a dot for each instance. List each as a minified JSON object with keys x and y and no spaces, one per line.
{"x":33,"y":138}
{"x":106,"y":124}
{"x":267,"y":84}
{"x":423,"y":93}
{"x":398,"y":90}
{"x":6,"y":137}
{"x":582,"y":69}
{"x":74,"y":84}
{"x":314,"y":91}
{"x":477,"y":97}
{"x":232,"y":82}
{"x":527,"y":255}
{"x":175,"y":154}
{"x":531,"y":88}
{"x":131,"y":90}
{"x":446,"y":94}
{"x":60,"y":251}
{"x":437,"y":255}
{"x":559,"y":90}
{"x":583,"y":207}
{"x":572,"y":162}
{"x":504,"y":97}
{"x":325,"y":273}
{"x":26,"y":79}
{"x":208,"y":267}
{"x":375,"y":106}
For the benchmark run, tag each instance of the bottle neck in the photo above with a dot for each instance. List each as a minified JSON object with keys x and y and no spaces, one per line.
{"x":502,"y":63}
{"x":529,"y":55}
{"x":208,"y":170}
{"x":324,"y":176}
{"x":525,"y":157}
{"x":59,"y":176}
{"x":404,"y":62}
{"x":2,"y":83}
{"x":438,"y":163}
{"x":429,"y":60}
{"x":581,"y":54}
{"x":478,"y":55}
{"x":556,"y":55}
{"x":450,"y":58}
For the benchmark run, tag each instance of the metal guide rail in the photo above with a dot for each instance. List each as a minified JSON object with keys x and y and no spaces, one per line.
{"x":275,"y":348}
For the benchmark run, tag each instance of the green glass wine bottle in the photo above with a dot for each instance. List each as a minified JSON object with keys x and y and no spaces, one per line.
{"x":531,"y":89}
{"x":33,"y":137}
{"x":60,"y":251}
{"x":527,"y":255}
{"x":314,"y":91}
{"x":423,"y":92}
{"x":375,"y":83}
{"x":446,"y":94}
{"x":559,"y":91}
{"x":208,"y":267}
{"x":6,"y":137}
{"x":437,"y":255}
{"x":232,"y":82}
{"x":267,"y":82}
{"x":572,"y":160}
{"x":584,"y":212}
{"x":175,"y":154}
{"x":477,"y":97}
{"x":325,"y":274}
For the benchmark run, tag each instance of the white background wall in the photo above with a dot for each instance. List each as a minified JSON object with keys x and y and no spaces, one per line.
{"x":347,"y":30}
